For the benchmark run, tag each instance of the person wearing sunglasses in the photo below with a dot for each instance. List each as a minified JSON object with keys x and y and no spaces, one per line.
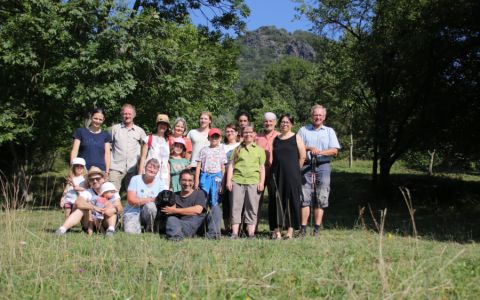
{"x":85,"y":206}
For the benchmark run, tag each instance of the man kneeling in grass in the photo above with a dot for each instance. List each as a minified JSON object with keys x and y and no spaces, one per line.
{"x":188,"y":213}
{"x":85,"y":207}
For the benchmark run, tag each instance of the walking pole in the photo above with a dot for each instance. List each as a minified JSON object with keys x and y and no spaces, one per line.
{"x":313,"y":165}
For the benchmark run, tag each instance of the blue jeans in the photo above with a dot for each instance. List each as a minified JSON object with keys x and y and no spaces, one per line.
{"x":179,"y":228}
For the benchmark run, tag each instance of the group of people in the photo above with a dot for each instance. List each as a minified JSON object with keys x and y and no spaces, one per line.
{"x":212,"y":179}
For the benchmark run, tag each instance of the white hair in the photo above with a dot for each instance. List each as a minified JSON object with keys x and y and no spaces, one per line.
{"x":269,"y":116}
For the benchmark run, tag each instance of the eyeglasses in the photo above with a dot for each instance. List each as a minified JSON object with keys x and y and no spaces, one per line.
{"x":94,"y":179}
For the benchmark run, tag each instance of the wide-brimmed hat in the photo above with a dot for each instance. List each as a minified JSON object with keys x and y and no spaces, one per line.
{"x":78,"y":161}
{"x":162,"y":118}
{"x":95,"y":171}
{"x":107,"y":186}
{"x":214,"y":131}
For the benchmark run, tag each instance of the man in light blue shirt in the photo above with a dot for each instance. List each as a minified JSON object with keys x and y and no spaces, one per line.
{"x":321,"y":144}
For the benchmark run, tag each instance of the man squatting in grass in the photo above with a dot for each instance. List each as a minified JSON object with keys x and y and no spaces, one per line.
{"x":188,"y":213}
{"x":245,"y":181}
{"x":127,"y":139}
{"x":320,"y":141}
{"x":85,"y":206}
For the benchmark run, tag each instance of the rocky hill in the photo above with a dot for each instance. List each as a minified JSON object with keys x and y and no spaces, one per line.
{"x":267,"y":45}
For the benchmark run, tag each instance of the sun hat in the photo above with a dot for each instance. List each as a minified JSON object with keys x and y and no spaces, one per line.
{"x":107,"y":186}
{"x":95,"y":171}
{"x":162,"y":118}
{"x":78,"y":161}
{"x":214,"y":131}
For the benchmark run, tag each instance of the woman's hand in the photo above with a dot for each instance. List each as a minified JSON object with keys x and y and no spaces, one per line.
{"x":229,"y":185}
{"x":62,"y":203}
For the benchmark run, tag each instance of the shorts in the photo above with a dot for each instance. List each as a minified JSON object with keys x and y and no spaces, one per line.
{"x":68,"y":205}
{"x":322,"y":182}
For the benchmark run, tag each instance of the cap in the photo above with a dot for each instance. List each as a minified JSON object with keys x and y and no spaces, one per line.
{"x":214,"y":131}
{"x":162,"y":118}
{"x":95,"y":171}
{"x":107,"y":186}
{"x":78,"y":161}
{"x":179,"y":140}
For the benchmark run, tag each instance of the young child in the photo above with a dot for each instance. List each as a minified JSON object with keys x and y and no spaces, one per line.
{"x":208,"y":176}
{"x":75,"y":183}
{"x":177,"y":162}
{"x":105,"y":200}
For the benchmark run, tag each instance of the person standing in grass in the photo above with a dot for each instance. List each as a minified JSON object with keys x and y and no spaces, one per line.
{"x":177,"y":162}
{"x":85,"y":207}
{"x":208,"y":177}
{"x":321,"y":142}
{"x":265,"y":140}
{"x":199,"y":136}
{"x":75,"y":184}
{"x":230,"y":143}
{"x":156,"y":146}
{"x":288,"y":157}
{"x":127,"y":140}
{"x":178,"y":131}
{"x":92,"y":143}
{"x":245,"y":181}
{"x":141,"y":210}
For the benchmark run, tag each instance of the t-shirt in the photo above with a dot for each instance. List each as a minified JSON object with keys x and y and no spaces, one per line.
{"x":199,"y":140}
{"x":228,"y":149}
{"x":101,"y":202}
{"x":212,"y":159}
{"x":92,"y":146}
{"x":160,"y":150}
{"x":143,"y":190}
{"x":72,"y":194}
{"x":197,"y":197}
{"x":177,"y":165}
{"x":91,"y":196}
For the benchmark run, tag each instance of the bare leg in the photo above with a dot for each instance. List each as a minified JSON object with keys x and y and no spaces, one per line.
{"x":73,"y":219}
{"x":305,"y":215}
{"x":235,"y":228}
{"x":318,"y":215}
{"x":67,"y":212}
{"x":289,"y":233}
{"x":251,"y":229}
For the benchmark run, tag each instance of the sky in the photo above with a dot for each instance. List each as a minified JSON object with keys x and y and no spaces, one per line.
{"x":279,"y":13}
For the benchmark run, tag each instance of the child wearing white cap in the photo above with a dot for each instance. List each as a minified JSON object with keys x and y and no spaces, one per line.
{"x":105,"y":200}
{"x":75,"y":183}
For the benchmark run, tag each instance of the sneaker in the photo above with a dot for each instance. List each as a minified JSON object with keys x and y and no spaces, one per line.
{"x":315,"y":232}
{"x":109,"y":233}
{"x":233,"y":236}
{"x":59,"y":232}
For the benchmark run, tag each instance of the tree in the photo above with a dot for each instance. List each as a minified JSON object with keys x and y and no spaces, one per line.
{"x":407,"y":53}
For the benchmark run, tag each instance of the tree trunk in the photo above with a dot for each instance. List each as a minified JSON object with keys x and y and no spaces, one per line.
{"x":430,"y":165}
{"x":350,"y":160}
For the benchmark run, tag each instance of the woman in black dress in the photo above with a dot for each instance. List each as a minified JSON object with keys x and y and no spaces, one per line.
{"x":288,"y":157}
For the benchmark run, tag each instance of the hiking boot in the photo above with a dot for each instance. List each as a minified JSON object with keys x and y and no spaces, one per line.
{"x":302,"y":232}
{"x":233,"y":236}
{"x":315,"y":232}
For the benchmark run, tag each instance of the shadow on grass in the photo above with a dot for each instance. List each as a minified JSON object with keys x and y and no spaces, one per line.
{"x":446,"y":209}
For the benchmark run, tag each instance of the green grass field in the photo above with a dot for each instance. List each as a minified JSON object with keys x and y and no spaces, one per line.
{"x":348,"y":260}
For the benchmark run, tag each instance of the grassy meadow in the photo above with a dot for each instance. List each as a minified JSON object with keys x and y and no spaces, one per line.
{"x":348,"y":260}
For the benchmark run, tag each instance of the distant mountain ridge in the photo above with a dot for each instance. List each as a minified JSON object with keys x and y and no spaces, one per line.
{"x":267,"y":45}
